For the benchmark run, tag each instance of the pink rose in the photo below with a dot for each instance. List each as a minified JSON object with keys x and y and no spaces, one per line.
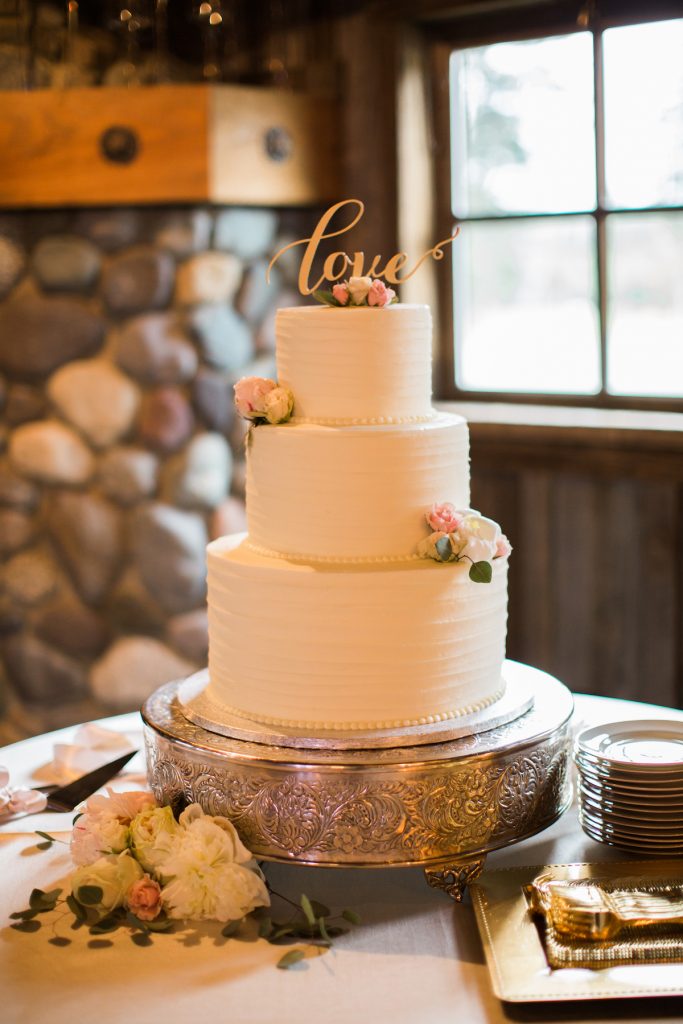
{"x":444,"y":518}
{"x":341,"y":293}
{"x":379,"y":294}
{"x":144,"y":898}
{"x":250,"y":395}
{"x":503,"y":547}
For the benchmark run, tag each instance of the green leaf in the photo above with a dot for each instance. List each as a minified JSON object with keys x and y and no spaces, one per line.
{"x":89,"y":895}
{"x":265,"y":928}
{"x":327,"y":298}
{"x":282,"y":931}
{"x":59,"y":940}
{"x":444,"y":549}
{"x":135,"y":922}
{"x":351,"y":916}
{"x":336,"y":931}
{"x":481,"y":572}
{"x":46,"y":835}
{"x":308,"y":910}
{"x":291,"y":958}
{"x":231,"y":928}
{"x":27,"y":926}
{"x":105,"y":924}
{"x":75,"y":908}
{"x":43,"y":901}
{"x":319,"y":909}
{"x":323,"y":930}
{"x":79,"y":815}
{"x":163,"y":924}
{"x":24,"y":915}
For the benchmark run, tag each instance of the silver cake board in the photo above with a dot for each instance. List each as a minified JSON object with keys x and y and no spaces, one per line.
{"x":438,"y":805}
{"x":197,"y":705}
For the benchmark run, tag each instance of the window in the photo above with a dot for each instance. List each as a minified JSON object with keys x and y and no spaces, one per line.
{"x":567,"y":182}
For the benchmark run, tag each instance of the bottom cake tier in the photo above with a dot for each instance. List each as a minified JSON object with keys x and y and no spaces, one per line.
{"x":352,"y":646}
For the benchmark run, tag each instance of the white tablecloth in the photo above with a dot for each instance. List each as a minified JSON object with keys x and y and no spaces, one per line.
{"x":416,"y":959}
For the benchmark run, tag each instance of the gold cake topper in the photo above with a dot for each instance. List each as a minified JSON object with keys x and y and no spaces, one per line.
{"x":337,"y":264}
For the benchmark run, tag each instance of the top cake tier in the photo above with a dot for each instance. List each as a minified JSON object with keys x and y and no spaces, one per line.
{"x":357,"y":365}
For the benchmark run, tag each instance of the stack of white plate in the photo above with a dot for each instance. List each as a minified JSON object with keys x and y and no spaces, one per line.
{"x":631,"y":785}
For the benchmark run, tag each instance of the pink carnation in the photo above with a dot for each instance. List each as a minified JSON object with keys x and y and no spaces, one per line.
{"x":379,"y":294}
{"x":250,"y":396}
{"x":503,"y":547}
{"x":443,"y":518}
{"x":341,"y":293}
{"x":144,"y":898}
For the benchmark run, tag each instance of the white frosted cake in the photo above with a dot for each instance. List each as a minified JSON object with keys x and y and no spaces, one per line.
{"x":327,"y":614}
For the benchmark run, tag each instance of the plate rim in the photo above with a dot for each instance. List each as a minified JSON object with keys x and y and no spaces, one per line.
{"x":588,"y":734}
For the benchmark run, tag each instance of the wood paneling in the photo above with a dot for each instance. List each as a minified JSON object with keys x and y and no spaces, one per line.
{"x":195,"y":143}
{"x":596,"y":576}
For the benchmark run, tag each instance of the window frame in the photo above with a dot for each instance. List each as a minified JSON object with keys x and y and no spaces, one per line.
{"x":443,"y":40}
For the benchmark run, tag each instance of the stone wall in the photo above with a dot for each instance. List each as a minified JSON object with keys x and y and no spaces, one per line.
{"x":121,"y":333}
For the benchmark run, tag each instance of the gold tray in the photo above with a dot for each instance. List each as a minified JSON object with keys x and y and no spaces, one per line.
{"x":514,"y":951}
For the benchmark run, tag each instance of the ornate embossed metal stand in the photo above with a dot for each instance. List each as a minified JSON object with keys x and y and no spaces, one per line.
{"x":442,"y":806}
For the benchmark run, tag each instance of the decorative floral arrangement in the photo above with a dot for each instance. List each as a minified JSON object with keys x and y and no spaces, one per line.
{"x":357,"y":291}
{"x":464,"y":535}
{"x":262,"y":400}
{"x":140,"y":868}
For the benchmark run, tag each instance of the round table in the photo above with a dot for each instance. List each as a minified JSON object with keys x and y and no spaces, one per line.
{"x":416,"y":958}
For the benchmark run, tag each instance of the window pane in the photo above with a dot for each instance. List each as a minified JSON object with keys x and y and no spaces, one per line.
{"x":643,"y":69}
{"x":522,"y":127}
{"x":645,"y":325}
{"x":525,"y":311}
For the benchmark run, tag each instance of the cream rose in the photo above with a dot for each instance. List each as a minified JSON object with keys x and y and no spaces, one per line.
{"x":480,"y":536}
{"x":212,"y":874}
{"x":278,"y":405}
{"x":151,"y":837}
{"x":113,"y":875}
{"x":358,"y":289}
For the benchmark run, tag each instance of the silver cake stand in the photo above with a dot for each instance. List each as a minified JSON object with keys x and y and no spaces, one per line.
{"x":439,"y":805}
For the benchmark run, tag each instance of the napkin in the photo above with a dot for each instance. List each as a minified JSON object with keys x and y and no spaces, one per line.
{"x":92,"y":745}
{"x":18,"y":799}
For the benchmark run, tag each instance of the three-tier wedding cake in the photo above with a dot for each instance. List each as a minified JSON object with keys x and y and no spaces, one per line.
{"x":336,"y":610}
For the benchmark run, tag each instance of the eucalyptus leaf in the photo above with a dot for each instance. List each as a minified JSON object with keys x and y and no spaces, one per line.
{"x":163,"y":925}
{"x":308,"y":910}
{"x":291,"y":958}
{"x":319,"y":909}
{"x":89,"y":895}
{"x":231,"y":928}
{"x":46,"y":835}
{"x":105,"y":924}
{"x":323,"y":930}
{"x":326,"y":297}
{"x":351,"y":916}
{"x":444,"y":549}
{"x":27,"y":925}
{"x":24,"y":915}
{"x":265,"y":928}
{"x":135,"y":922}
{"x":43,"y":901}
{"x":334,"y":931}
{"x":481,"y":572}
{"x":75,"y":908}
{"x":75,"y":819}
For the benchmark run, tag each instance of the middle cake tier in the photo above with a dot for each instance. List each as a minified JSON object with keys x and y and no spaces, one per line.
{"x":352,"y":493}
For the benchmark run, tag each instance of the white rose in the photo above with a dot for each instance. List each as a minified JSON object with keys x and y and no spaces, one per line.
{"x":480,"y":536}
{"x":209,"y":877}
{"x":97,"y":834}
{"x":278,"y":405}
{"x":427,"y":548}
{"x":151,"y":837}
{"x":114,"y":875}
{"x":358,"y":289}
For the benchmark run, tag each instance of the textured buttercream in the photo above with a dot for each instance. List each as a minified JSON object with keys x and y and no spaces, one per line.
{"x":359,"y":363}
{"x":351,"y":647}
{"x":331,"y":493}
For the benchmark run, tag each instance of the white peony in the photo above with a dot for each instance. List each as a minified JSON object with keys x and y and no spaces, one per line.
{"x":212,"y":874}
{"x":479,"y":538}
{"x":358,"y":289}
{"x":114,"y":875}
{"x":152,"y":832}
{"x":278,"y":405}
{"x":104,"y":825}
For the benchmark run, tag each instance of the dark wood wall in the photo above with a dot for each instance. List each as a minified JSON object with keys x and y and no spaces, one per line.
{"x":595,"y":516}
